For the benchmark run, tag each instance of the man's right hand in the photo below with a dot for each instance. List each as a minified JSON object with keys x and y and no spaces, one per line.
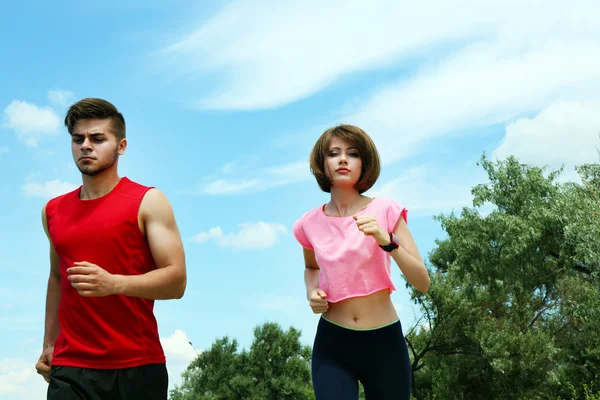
{"x":318,"y":301}
{"x":44,"y":363}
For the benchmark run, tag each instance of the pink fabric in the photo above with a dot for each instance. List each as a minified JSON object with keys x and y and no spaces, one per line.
{"x":351,"y":263}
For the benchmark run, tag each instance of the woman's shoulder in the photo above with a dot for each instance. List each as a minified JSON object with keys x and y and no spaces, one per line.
{"x":386,"y":202}
{"x":311,"y":214}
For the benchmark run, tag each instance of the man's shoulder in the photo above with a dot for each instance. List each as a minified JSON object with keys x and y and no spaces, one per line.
{"x":63,"y":197}
{"x":131,"y":183}
{"x":134,"y":189}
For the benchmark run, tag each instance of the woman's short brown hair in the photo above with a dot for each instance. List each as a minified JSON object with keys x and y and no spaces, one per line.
{"x":357,"y":138}
{"x":96,"y":108}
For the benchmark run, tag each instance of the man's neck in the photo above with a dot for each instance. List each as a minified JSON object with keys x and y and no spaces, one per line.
{"x":99,"y":185}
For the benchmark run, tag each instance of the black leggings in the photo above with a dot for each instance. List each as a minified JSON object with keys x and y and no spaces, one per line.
{"x":377,"y":358}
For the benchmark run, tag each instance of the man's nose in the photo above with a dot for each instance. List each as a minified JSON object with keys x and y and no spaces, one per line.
{"x":86,"y":144}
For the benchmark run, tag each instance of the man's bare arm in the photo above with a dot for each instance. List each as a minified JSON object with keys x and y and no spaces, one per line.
{"x":169,"y":280}
{"x":52,"y":326}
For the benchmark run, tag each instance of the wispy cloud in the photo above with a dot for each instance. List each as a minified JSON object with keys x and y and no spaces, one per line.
{"x":48,"y":189}
{"x":19,"y":380}
{"x":272,"y":54}
{"x":259,"y":180}
{"x":60,"y":97}
{"x":21,"y":322}
{"x":222,"y":186}
{"x":563,"y":133}
{"x":492,"y":62}
{"x":30,"y":122}
{"x":256,"y":235}
{"x":481,"y":85}
{"x":425,"y":192}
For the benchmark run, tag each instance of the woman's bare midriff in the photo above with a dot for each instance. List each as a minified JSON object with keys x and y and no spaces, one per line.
{"x":363,"y":312}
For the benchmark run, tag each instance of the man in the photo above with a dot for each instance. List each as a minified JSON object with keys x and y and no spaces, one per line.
{"x":114,"y":249}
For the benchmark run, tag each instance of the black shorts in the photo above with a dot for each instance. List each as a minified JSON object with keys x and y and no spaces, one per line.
{"x":144,"y":382}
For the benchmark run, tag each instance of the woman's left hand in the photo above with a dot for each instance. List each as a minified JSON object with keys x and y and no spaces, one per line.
{"x":368,"y":225}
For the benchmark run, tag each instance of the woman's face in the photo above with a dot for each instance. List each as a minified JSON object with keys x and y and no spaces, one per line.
{"x":343,"y":165}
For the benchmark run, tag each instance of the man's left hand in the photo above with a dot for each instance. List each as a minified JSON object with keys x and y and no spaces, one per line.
{"x":91,"y":280}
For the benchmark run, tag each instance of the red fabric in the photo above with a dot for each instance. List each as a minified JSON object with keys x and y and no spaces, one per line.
{"x":113,"y":331}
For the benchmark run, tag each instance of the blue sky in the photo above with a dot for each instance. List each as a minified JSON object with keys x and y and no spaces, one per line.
{"x":223,"y":102}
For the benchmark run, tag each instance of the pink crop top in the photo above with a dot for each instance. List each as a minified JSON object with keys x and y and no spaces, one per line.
{"x":351,"y":263}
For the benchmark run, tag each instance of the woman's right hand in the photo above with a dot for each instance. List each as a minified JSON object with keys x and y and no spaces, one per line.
{"x":318,"y":301}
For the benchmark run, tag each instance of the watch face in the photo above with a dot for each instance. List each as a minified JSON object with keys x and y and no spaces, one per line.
{"x":395,"y":240}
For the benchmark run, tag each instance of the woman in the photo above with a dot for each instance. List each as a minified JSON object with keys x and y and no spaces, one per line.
{"x":347,"y":245}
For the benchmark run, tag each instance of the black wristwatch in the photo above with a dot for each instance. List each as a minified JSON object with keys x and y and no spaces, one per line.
{"x":394,"y":243}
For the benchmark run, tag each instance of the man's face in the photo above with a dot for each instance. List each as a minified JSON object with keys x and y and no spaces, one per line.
{"x":94,"y":146}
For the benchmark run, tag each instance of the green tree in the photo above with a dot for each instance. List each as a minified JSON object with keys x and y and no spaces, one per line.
{"x":514,"y":305}
{"x":276,"y":367}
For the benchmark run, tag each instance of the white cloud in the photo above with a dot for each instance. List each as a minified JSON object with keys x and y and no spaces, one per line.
{"x":563,"y":133}
{"x":272,"y":54}
{"x":291,"y":172}
{"x":484,"y":84}
{"x":48,"y":189}
{"x":256,"y":235}
{"x":179,"y":353}
{"x":499,"y":61}
{"x":19,"y":322}
{"x":4,"y":150}
{"x":20,"y":381}
{"x":245,"y":163}
{"x":178,"y":347}
{"x":425,"y":192}
{"x":222,"y":186}
{"x":30,"y":122}
{"x":60,"y":97}
{"x":263,"y":179}
{"x":229,"y":167}
{"x":213,"y":233}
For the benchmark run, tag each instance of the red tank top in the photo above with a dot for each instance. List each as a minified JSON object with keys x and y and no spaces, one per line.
{"x":103,"y":332}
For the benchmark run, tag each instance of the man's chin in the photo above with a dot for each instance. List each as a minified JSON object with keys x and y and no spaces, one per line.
{"x":89,"y":172}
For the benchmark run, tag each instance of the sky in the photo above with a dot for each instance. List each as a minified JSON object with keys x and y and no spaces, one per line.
{"x":223,"y":102}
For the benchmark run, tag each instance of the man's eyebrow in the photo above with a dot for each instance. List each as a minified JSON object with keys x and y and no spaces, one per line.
{"x":91,"y":134}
